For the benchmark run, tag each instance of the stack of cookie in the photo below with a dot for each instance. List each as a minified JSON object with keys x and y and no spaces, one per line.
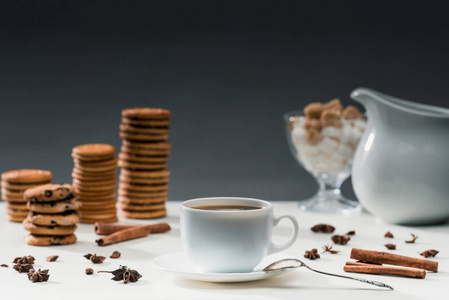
{"x":94,"y":179}
{"x":14,"y":184}
{"x":143,"y":158}
{"x":53,"y":215}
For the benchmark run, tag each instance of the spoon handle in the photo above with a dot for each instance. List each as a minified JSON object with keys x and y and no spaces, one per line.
{"x":376,"y":283}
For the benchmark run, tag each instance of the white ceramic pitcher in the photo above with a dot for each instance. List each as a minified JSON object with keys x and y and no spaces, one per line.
{"x":400,"y":171}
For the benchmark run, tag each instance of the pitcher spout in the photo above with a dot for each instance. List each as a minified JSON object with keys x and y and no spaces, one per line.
{"x":371,"y":99}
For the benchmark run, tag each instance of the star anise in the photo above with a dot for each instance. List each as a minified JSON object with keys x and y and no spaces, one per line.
{"x":94,"y":258}
{"x":124,"y":273}
{"x":38,"y":276}
{"x":328,"y":248}
{"x":414,"y":238}
{"x":429,"y":253}
{"x":388,"y":235}
{"x":312,"y":254}
{"x":340,"y":239}
{"x":23,"y":268}
{"x":326,"y":228}
{"x":390,"y":246}
{"x":24,"y":260}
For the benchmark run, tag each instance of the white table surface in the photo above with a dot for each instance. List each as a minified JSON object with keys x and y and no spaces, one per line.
{"x":68,"y":280}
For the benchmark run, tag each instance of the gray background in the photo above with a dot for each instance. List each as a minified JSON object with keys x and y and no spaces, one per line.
{"x":226,"y":70}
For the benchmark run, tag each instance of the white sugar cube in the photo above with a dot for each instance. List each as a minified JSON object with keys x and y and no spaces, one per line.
{"x":331,"y":132}
{"x":356,"y":136}
{"x":345,"y":150}
{"x":338,"y":157}
{"x":298,"y":136}
{"x":360,"y":124}
{"x":316,"y":159}
{"x":327,"y":145}
{"x":346,"y":134}
{"x":335,"y":167}
{"x":309,"y":150}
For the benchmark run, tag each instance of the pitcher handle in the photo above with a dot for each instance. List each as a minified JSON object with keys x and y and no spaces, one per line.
{"x":274,"y":248}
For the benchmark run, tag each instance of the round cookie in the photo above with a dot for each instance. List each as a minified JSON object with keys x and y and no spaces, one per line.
{"x":99,"y":211}
{"x":104,"y":219}
{"x":137,"y":180}
{"x":145,"y":195}
{"x":144,"y":214}
{"x":97,"y":205}
{"x":17,"y":219}
{"x":97,"y":198}
{"x":63,"y":219}
{"x":17,"y":212}
{"x":27,"y":176}
{"x":146,"y":113}
{"x":146,"y":122}
{"x":142,"y":137}
{"x":54,"y":206}
{"x":96,"y":169}
{"x":45,"y":240}
{"x":143,"y":188}
{"x":48,"y":230}
{"x":16,"y":215}
{"x":140,"y":207}
{"x":84,"y":176}
{"x":142,"y":166}
{"x":17,"y":206}
{"x":14,"y":199}
{"x":11,"y":194}
{"x":86,"y":173}
{"x":50,"y":192}
{"x":126,"y":200}
{"x":144,"y":151}
{"x":19,"y":186}
{"x":101,"y":189}
{"x":143,"y":130}
{"x":96,"y":163}
{"x":127,"y":157}
{"x":92,"y":152}
{"x":93,"y":195}
{"x":145,"y":174}
{"x":108,"y":182}
{"x":162,"y":146}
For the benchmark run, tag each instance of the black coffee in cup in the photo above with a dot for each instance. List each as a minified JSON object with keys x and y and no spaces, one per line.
{"x":226,"y":207}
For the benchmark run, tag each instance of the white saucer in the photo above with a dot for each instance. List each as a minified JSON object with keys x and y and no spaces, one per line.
{"x":180,"y":265}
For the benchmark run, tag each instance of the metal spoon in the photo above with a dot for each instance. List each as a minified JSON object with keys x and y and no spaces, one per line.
{"x":293,"y":263}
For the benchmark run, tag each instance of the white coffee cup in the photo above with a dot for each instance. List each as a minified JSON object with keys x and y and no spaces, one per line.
{"x":230,"y":240}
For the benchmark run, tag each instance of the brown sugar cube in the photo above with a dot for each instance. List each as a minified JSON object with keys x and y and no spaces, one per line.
{"x":330,"y":118}
{"x":312,"y":124}
{"x":313,"y":136}
{"x":334,"y":104}
{"x":313,"y":110}
{"x":351,"y":113}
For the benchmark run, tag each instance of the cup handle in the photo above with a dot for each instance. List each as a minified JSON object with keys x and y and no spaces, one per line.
{"x":278,"y":248}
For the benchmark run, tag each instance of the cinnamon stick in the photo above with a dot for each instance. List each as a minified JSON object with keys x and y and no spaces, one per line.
{"x":124,"y":235}
{"x":107,"y":228}
{"x":358,"y":267}
{"x":379,"y":257}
